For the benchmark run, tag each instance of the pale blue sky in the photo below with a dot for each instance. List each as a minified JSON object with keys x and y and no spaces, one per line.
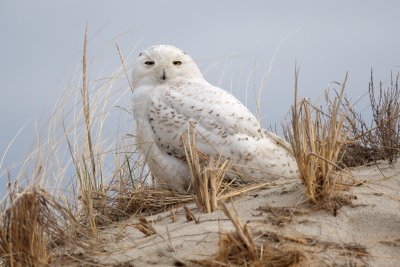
{"x":41,"y":42}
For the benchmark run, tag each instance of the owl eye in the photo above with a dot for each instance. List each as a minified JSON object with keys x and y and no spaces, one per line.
{"x":149,"y":62}
{"x":177,"y":62}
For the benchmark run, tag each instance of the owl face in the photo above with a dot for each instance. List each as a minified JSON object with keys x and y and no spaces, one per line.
{"x":162,"y":64}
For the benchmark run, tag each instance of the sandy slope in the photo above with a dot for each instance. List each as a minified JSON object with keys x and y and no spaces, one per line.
{"x":366,"y":233}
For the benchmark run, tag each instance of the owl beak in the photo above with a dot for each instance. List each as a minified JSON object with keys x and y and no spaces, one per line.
{"x":164,"y":76}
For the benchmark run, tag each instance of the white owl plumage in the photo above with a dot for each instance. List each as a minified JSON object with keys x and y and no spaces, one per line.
{"x":169,"y":93}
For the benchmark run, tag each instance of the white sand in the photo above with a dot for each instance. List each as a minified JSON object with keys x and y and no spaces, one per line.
{"x":372,"y":222}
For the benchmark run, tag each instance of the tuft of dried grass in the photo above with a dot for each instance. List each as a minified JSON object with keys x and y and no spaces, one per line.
{"x":142,"y":201}
{"x":242,"y":233}
{"x":317,"y":140}
{"x":35,"y":229}
{"x":238,"y":248}
{"x":23,"y":239}
{"x":386,"y":116}
{"x":356,"y":153}
{"x":359,"y":149}
{"x":207,"y":173}
{"x":208,"y":176}
{"x":379,"y":140}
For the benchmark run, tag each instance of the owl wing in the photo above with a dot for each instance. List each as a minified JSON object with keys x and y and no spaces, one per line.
{"x":219,"y":117}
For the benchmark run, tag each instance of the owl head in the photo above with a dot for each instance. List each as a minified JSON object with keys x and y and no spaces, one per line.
{"x":162,"y":64}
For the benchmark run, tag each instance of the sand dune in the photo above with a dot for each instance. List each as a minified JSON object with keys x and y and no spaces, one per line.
{"x":365,"y":233}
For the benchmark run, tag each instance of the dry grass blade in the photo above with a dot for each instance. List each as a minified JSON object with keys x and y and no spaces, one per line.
{"x":242,"y":231}
{"x":190,"y":216}
{"x":121,"y":57}
{"x":86,"y":113}
{"x":87,"y":172}
{"x":243,"y":189}
{"x":317,"y":142}
{"x":207,"y":173}
{"x":145,"y":227}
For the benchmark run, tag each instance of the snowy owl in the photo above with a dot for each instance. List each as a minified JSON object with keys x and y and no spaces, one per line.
{"x":169,"y":93}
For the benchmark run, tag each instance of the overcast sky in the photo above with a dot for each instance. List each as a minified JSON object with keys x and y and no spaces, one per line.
{"x":41,"y":44}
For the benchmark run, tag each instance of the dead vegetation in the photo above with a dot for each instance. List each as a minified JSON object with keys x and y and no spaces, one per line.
{"x":190,"y":216}
{"x":23,"y":234}
{"x":394,"y":242}
{"x":238,"y":248}
{"x":144,"y":200}
{"x":317,"y":140}
{"x":39,"y":227}
{"x":207,"y":173}
{"x":386,"y":115}
{"x":379,"y":139}
{"x":35,"y":226}
{"x":145,"y":227}
{"x":311,"y":244}
{"x":208,"y":176}
{"x":280,"y":216}
{"x":326,"y":142}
